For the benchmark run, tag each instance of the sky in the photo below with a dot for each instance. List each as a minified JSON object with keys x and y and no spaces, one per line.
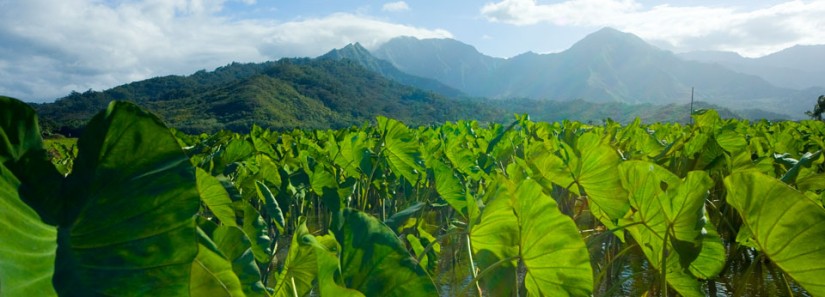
{"x":49,"y":48}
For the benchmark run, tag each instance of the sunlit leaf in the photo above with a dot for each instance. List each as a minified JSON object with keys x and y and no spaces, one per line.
{"x":784,"y":224}
{"x":214,"y":195}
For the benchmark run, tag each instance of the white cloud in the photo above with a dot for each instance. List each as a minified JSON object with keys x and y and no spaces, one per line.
{"x":50,"y":48}
{"x":395,"y":6}
{"x":750,"y":32}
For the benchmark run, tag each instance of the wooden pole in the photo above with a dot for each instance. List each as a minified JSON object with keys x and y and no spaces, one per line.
{"x":690,"y":115}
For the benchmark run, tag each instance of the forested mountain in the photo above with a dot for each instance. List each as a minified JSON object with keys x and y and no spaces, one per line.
{"x":289,"y":93}
{"x":605,"y":66}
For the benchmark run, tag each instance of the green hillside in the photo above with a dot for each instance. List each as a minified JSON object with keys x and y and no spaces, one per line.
{"x":289,"y":93}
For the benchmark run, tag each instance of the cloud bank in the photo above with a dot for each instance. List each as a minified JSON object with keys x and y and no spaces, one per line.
{"x":50,"y":48}
{"x":752,"y":32}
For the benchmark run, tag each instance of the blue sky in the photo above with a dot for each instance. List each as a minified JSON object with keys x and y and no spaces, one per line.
{"x":49,"y":48}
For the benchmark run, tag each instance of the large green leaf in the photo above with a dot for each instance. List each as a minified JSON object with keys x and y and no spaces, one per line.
{"x":521,"y":221}
{"x":273,"y":210}
{"x":326,"y":250}
{"x":22,"y":152}
{"x":27,"y":245}
{"x":591,"y":165}
{"x":669,"y":216}
{"x":784,"y":224}
{"x":400,"y":149}
{"x":375,"y":262}
{"x":212,"y":273}
{"x":131,"y":200}
{"x":495,"y":238}
{"x":214,"y":195}
{"x":236,"y":247}
{"x":450,"y":188}
{"x":352,"y":154}
{"x":255,"y":228}
{"x":299,"y":269}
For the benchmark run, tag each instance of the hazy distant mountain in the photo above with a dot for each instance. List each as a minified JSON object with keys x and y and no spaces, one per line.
{"x":798,"y":67}
{"x":605,"y":66}
{"x":456,"y":64}
{"x":358,"y":53}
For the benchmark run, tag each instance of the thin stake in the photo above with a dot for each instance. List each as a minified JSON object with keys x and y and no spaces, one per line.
{"x":690,"y":115}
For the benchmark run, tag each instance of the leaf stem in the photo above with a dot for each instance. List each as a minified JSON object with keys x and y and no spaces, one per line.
{"x":485,"y":272}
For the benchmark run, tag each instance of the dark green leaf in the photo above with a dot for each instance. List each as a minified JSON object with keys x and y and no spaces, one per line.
{"x":375,"y":262}
{"x":131,"y":203}
{"x":236,"y":247}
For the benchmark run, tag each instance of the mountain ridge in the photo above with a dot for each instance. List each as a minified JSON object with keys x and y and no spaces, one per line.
{"x":798,"y":67}
{"x":606,"y":66}
{"x":348,"y":86}
{"x":285,"y":94}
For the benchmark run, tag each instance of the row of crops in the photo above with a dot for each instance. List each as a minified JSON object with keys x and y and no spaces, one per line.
{"x":720,"y":208}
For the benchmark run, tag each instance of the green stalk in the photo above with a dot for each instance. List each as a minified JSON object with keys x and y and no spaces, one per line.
{"x":484,"y":272}
{"x":472,"y":262}
{"x":663,"y":266}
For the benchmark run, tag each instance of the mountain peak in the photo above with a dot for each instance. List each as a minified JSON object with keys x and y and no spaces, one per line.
{"x":608,"y":37}
{"x":352,"y":51}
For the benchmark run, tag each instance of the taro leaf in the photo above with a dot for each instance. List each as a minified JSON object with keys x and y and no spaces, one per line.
{"x":131,"y":200}
{"x":495,"y":238}
{"x":593,"y":166}
{"x":22,"y":152}
{"x":212,"y":273}
{"x":27,"y":245}
{"x":234,"y":244}
{"x":450,"y":188}
{"x":559,"y":264}
{"x":806,"y":161}
{"x":400,"y":149}
{"x":19,"y":131}
{"x":400,"y":218}
{"x":256,"y":230}
{"x":731,"y":141}
{"x":326,"y":251}
{"x":235,"y":151}
{"x":300,"y":269}
{"x":353,"y":154}
{"x":273,"y":210}
{"x":785,"y":225}
{"x":428,"y":260}
{"x":521,"y":221}
{"x":374,"y":261}
{"x":597,"y":172}
{"x":706,"y":118}
{"x":670,"y":217}
{"x":214,"y":195}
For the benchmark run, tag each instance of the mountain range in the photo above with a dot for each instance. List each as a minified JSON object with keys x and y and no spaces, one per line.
{"x":606,"y":66}
{"x":607,"y":74}
{"x":799,"y":67}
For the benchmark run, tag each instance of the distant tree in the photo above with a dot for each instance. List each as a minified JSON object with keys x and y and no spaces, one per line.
{"x":819,"y":109}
